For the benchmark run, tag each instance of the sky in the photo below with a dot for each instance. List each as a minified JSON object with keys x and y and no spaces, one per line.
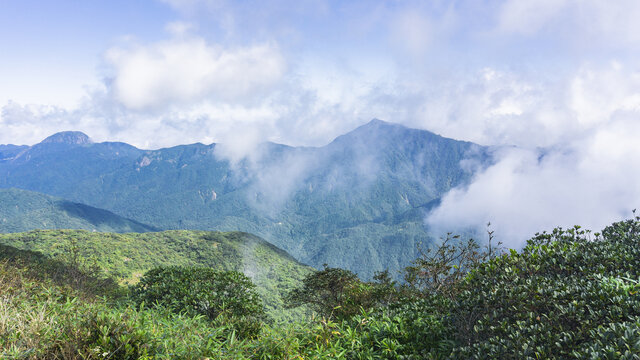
{"x":555,"y":83}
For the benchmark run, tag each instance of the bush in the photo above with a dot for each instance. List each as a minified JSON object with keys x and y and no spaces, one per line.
{"x":222,"y":296}
{"x":568,"y":294}
{"x":338,"y":293}
{"x":410,"y":329}
{"x":441,"y":269}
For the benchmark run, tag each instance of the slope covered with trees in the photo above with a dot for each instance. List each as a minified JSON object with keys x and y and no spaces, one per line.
{"x":126,"y":257}
{"x":569,"y":294}
{"x":357,"y":202}
{"x":22,"y":210}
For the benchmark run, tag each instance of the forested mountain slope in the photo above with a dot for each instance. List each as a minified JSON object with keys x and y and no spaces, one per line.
{"x":22,"y":210}
{"x":126,"y":257}
{"x":358,"y":202}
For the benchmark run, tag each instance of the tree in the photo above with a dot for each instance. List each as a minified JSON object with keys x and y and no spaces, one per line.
{"x":220,"y":295}
{"x":335,"y":292}
{"x":440,"y":270}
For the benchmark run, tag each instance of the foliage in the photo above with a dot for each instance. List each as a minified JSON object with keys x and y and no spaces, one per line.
{"x":86,"y":281}
{"x":219,"y":295}
{"x":568,"y":294}
{"x":22,"y":210}
{"x":44,"y":316}
{"x":127,"y":256}
{"x":441,"y":269}
{"x":334,"y":292}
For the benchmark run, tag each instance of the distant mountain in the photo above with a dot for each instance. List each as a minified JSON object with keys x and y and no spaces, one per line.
{"x":127,"y":256}
{"x":9,"y":152}
{"x":68,"y":137}
{"x":358,"y":202}
{"x":22,"y":210}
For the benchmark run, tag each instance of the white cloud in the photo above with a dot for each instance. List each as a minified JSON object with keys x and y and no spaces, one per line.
{"x":30,"y":124}
{"x":189,"y":70}
{"x":579,"y":23}
{"x":179,"y":28}
{"x":587,"y":175}
{"x":494,"y":107}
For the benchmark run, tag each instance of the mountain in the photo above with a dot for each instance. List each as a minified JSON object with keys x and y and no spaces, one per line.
{"x":357,"y":202}
{"x":127,"y":256}
{"x":22,"y":210}
{"x":9,"y":152}
{"x":68,"y":137}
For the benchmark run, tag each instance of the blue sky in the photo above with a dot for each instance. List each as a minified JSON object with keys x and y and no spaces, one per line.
{"x":556,"y":74}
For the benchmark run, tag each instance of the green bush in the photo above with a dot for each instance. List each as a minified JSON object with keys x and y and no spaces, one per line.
{"x":561,"y":297}
{"x":223,"y":296}
{"x":134,"y":333}
{"x":414,"y":329}
{"x":338,"y":293}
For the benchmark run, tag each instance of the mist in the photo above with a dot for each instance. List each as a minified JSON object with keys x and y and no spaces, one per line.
{"x":583,"y":173}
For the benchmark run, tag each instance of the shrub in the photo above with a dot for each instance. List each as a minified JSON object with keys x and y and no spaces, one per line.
{"x":223,"y":296}
{"x":564,"y":296}
{"x":338,"y":293}
{"x":441,"y":269}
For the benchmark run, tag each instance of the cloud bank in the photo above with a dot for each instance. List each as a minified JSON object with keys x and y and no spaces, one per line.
{"x":586,"y":173}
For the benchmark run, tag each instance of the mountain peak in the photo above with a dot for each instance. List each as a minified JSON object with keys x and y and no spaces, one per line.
{"x":68,"y":137}
{"x":378,"y":122}
{"x":377,"y":127}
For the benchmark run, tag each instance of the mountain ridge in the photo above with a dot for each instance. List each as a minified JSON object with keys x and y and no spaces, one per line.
{"x":73,"y":137}
{"x":68,"y":137}
{"x":362,"y":193}
{"x":23,"y":210}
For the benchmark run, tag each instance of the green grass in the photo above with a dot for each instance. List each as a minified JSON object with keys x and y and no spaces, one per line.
{"x":44,"y":318}
{"x":126,"y":257}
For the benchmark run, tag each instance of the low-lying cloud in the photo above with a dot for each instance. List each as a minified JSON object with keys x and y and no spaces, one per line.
{"x":586,"y":173}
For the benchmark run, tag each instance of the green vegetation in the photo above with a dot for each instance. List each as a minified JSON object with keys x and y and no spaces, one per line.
{"x":227,"y":296}
{"x":338,"y":293}
{"x":126,"y":257}
{"x":357,"y":203}
{"x":569,"y":294}
{"x":22,"y":210}
{"x":44,"y":315}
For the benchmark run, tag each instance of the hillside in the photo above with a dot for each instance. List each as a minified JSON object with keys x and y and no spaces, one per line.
{"x":569,"y":294}
{"x":22,"y":210}
{"x":127,"y":256}
{"x":8,"y":152}
{"x":358,"y":202}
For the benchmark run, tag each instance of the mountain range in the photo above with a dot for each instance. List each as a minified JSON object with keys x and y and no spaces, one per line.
{"x":358,"y":202}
